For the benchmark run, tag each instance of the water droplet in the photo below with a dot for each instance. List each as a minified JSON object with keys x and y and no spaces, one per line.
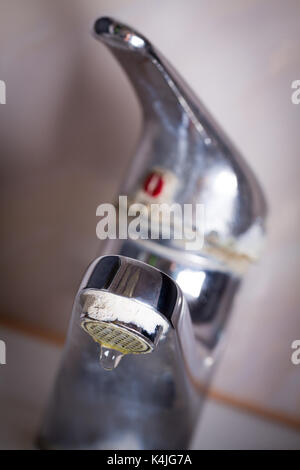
{"x":109,"y":358}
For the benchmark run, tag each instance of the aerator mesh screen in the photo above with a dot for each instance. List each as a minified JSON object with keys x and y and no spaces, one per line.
{"x":116,"y":337}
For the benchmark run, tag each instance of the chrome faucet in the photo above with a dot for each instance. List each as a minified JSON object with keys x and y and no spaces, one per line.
{"x":159,"y":306}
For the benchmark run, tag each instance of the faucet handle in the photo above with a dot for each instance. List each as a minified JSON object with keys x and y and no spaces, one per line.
{"x":180,"y":138}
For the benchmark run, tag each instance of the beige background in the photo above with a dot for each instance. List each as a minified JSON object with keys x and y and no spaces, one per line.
{"x":68,"y":131}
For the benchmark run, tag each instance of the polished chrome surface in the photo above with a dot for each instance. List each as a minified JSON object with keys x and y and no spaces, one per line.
{"x":208,"y":290}
{"x":154,"y":293}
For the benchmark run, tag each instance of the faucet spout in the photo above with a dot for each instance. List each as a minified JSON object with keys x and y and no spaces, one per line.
{"x":128,"y":308}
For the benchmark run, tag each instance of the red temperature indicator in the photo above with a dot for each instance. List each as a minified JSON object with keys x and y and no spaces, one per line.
{"x":153,"y":184}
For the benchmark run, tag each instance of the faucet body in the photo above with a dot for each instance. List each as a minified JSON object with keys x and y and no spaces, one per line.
{"x":177,"y":301}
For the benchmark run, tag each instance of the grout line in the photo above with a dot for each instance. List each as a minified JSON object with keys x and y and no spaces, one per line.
{"x":255,"y":409}
{"x":214,"y":394}
{"x":32,"y":331}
